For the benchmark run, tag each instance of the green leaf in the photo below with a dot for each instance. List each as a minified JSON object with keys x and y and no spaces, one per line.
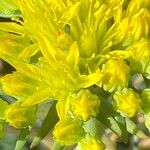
{"x":112,"y":119}
{"x":3,"y":107}
{"x":22,"y":138}
{"x":133,"y":129}
{"x":147,"y":120}
{"x":49,"y":122}
{"x":114,"y":126}
{"x":146,"y":106}
{"x":146,"y":100}
{"x":93,"y":126}
{"x":121,"y":122}
{"x":57,"y":146}
{"x":9,"y":9}
{"x":1,"y":129}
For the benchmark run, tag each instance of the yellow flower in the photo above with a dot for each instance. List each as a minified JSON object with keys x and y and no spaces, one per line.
{"x":85,"y":104}
{"x":58,"y":48}
{"x":135,"y":5}
{"x":88,"y":43}
{"x":139,"y":24}
{"x":116,"y":74}
{"x":90,"y":143}
{"x":18,"y":85}
{"x":64,"y":40}
{"x":11,"y":46}
{"x":127,"y":102}
{"x":18,"y":116}
{"x":68,"y":131}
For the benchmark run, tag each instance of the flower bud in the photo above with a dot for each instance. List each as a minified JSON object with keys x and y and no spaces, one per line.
{"x":18,"y":116}
{"x":90,"y":143}
{"x":68,"y":131}
{"x":85,"y":104}
{"x":127,"y":102}
{"x":116,"y":74}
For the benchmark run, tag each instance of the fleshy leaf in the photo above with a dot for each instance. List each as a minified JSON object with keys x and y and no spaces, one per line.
{"x":8,"y":9}
{"x":92,"y":126}
{"x":1,"y":129}
{"x":3,"y":107}
{"x":133,"y":129}
{"x":22,"y":138}
{"x":50,"y":120}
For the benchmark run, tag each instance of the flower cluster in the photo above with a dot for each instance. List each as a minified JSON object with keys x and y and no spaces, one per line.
{"x":83,"y":55}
